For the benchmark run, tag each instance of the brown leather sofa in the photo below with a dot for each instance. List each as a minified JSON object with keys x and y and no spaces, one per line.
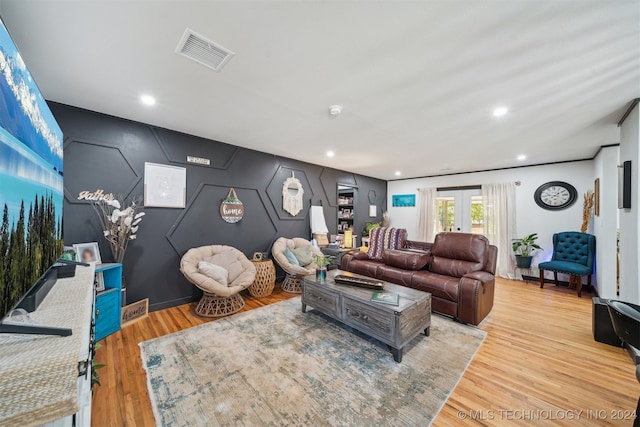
{"x":458,"y":269}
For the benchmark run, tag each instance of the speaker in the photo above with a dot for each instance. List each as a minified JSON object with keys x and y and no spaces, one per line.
{"x":601,"y":324}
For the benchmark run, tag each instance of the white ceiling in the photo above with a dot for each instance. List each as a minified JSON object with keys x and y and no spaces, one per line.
{"x":418,"y":80}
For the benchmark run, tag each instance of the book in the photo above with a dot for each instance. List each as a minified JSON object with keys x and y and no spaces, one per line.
{"x":386,"y":297}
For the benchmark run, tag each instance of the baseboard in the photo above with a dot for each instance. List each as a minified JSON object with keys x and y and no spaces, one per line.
{"x":172,"y":303}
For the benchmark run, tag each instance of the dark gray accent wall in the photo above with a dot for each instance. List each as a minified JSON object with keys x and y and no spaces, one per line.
{"x":109,"y":153}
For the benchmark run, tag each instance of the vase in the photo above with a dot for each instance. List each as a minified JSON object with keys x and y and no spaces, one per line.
{"x":321,"y":274}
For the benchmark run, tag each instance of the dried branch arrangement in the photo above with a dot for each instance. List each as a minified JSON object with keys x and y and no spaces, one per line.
{"x":587,"y":209}
{"x":118,"y":226}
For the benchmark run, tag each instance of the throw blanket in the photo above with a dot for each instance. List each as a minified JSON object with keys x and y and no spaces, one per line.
{"x":381,"y":238}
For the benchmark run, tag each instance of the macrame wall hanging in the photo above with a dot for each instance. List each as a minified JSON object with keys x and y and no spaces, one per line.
{"x":292,"y":192}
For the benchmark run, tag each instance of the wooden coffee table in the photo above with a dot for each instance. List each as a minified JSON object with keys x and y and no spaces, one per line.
{"x":392,"y":325}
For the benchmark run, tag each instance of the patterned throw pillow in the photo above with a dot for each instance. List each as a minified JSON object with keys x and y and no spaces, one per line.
{"x":303,"y":255}
{"x":381,"y":238}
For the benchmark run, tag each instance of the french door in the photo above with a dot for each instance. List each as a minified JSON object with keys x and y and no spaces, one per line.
{"x":459,"y":210}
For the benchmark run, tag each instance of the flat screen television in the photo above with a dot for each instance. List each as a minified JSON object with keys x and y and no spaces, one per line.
{"x":31,"y":182}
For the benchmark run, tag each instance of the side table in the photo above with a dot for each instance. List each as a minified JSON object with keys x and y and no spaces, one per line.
{"x":265,"y":278}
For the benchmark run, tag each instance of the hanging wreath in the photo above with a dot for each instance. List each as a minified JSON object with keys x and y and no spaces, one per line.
{"x":231,"y":208}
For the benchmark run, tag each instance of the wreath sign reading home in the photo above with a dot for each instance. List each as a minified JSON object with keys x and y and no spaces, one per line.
{"x":292,"y":192}
{"x":231,"y":208}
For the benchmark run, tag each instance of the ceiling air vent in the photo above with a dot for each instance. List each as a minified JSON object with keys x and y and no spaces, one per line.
{"x":199,"y":49}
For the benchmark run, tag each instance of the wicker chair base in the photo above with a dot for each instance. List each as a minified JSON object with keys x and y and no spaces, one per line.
{"x":214,"y":306}
{"x":292,"y":284}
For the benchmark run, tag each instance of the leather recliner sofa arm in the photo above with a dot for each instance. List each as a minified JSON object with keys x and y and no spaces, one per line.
{"x":475,"y":298}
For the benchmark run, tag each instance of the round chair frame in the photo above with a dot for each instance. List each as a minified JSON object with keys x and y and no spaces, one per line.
{"x":211,"y":305}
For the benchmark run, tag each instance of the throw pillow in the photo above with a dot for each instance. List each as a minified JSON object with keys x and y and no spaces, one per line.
{"x":215,"y":272}
{"x":228,"y":260}
{"x":381,"y":238}
{"x":303,"y":254}
{"x":291,"y":257}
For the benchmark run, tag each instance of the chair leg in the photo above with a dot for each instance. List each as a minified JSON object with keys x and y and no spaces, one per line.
{"x":555,"y":277}
{"x":578,"y":280}
{"x":541,"y":278}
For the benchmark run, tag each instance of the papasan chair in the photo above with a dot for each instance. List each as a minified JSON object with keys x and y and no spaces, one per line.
{"x":221,"y":272}
{"x":293,"y":280}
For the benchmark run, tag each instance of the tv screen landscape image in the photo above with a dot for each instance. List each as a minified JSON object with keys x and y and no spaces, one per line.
{"x":31,"y":179}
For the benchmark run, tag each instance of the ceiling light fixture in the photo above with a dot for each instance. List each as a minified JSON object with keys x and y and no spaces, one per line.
{"x":522,"y":157}
{"x":148,"y":100}
{"x":500,"y":111}
{"x":398,"y":173}
{"x":335,"y":110}
{"x":330,"y":153}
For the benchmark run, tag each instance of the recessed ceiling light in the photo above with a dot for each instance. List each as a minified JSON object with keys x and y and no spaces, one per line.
{"x":335,"y":110}
{"x":522,"y":157}
{"x":330,"y":153}
{"x":148,"y":100}
{"x":500,"y":111}
{"x":398,"y":173}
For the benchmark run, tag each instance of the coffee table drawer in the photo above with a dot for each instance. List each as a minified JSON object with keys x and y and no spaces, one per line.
{"x":321,"y":300}
{"x":377,"y":323}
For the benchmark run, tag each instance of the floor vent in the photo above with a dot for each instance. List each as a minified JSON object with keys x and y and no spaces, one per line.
{"x":199,"y":49}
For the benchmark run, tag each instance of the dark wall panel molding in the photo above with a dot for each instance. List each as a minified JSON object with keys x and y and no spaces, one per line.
{"x":99,"y":165}
{"x":108,"y":153}
{"x":274,"y":191}
{"x":177,"y":146}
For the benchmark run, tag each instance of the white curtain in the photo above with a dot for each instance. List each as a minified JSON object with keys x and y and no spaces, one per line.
{"x":499,"y":207}
{"x":426,"y":214}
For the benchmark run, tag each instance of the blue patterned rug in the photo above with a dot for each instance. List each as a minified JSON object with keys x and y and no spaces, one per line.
{"x":276,"y":366}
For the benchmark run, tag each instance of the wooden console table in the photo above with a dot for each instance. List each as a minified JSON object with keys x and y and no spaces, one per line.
{"x":40,"y":375}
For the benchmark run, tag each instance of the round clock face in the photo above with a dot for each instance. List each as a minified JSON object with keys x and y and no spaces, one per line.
{"x":555,"y":195}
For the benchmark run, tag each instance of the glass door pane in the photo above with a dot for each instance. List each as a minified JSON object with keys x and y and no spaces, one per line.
{"x":477,"y":216}
{"x":459,"y":210}
{"x":446,"y":214}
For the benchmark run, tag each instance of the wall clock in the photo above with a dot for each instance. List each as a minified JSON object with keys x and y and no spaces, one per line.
{"x":555,"y":195}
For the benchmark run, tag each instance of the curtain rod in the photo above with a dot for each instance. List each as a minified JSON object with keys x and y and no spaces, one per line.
{"x":466,"y":187}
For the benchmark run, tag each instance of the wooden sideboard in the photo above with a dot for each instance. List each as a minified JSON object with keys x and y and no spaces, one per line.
{"x":47,"y":379}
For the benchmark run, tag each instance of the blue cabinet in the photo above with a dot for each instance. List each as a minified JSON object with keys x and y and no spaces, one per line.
{"x":108,"y":301}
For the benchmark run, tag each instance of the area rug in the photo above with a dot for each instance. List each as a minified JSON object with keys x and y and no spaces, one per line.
{"x":277,"y":366}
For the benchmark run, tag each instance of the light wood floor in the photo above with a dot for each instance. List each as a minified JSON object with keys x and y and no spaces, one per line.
{"x":538,"y":366}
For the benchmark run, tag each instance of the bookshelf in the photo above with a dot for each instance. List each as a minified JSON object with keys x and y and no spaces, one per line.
{"x":346,"y":205}
{"x":109,"y":301}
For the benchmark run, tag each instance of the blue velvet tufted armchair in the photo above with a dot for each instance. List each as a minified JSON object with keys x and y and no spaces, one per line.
{"x":573,"y":254}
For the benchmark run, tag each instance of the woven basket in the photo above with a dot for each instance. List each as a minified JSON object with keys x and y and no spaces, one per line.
{"x":265,"y":279}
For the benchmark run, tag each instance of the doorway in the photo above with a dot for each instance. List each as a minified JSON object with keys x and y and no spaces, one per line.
{"x":460,"y":210}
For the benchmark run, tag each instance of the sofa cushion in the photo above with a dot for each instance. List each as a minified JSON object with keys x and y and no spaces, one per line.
{"x":367,"y":268}
{"x":381,"y":238}
{"x":441,"y":286}
{"x":360,"y":255}
{"x":456,"y":254}
{"x":407,"y":260}
{"x":394,"y":275}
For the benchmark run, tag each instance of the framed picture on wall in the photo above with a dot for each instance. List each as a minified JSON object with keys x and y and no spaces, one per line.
{"x":596,"y":197}
{"x":403,"y":200}
{"x":88,"y":252}
{"x":165,"y":186}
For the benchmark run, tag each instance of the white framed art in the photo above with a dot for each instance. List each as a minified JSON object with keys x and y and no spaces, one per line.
{"x":165,"y":186}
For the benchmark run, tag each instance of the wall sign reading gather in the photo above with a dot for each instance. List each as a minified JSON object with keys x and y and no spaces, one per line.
{"x":95,"y":196}
{"x":231,"y":208}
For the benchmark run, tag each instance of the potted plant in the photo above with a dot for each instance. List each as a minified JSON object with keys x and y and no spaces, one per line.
{"x":524,"y":248}
{"x":322,"y":261}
